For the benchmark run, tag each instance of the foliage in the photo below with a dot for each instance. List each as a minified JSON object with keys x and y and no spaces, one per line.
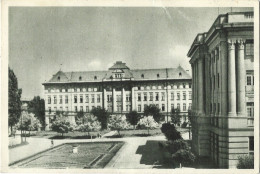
{"x":14,"y":99}
{"x":117,"y":122}
{"x":148,"y":123}
{"x":184,"y":124}
{"x":80,"y":116}
{"x":89,"y":123}
{"x":183,"y":156}
{"x":133,"y":117}
{"x":245,"y":162}
{"x":174,"y":146}
{"x":175,"y":116}
{"x":37,"y":107}
{"x":102,"y":116}
{"x":61,"y":126}
{"x":170,"y":132}
{"x":154,"y":111}
{"x":28,"y":122}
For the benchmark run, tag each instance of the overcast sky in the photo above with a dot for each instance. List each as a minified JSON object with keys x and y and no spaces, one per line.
{"x":91,"y":38}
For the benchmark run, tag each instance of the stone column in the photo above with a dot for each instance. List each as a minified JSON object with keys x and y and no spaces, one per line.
{"x":123,"y":100}
{"x":241,"y":79}
{"x":194,"y":102}
{"x":192,"y":67}
{"x":224,"y":77}
{"x":200,"y":86}
{"x":114,"y":100}
{"x":105,"y":98}
{"x":133,"y":98}
{"x":231,"y":79}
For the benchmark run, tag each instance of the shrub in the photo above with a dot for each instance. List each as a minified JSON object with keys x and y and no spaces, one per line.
{"x":147,"y":123}
{"x":170,"y":132}
{"x":133,"y":117}
{"x":89,"y":123}
{"x":184,"y":124}
{"x":174,"y":146}
{"x":183,"y":156}
{"x":117,"y":122}
{"x":154,"y":111}
{"x":61,"y":126}
{"x":245,"y":162}
{"x":102,"y":116}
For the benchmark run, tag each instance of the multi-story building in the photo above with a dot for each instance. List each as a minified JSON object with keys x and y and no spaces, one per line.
{"x":118,"y":90}
{"x":222,"y":61}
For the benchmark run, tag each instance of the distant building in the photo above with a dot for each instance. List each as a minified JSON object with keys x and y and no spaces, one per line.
{"x":119,"y":90}
{"x":222,"y":61}
{"x":25,"y":102}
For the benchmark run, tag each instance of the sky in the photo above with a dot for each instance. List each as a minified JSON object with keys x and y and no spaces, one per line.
{"x":43,"y":40}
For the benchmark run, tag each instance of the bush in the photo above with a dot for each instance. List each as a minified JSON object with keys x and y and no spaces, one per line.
{"x":170,"y":132}
{"x":61,"y":126}
{"x":183,"y":156}
{"x":89,"y":123}
{"x":154,"y":111}
{"x":174,"y":146}
{"x":184,"y":124}
{"x":133,"y":117}
{"x":147,"y":123}
{"x":245,"y":162}
{"x":117,"y":122}
{"x":102,"y":116}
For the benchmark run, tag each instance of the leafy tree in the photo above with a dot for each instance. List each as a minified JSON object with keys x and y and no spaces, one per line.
{"x":89,"y":123}
{"x":183,"y":156}
{"x":37,"y":107}
{"x":133,"y":117}
{"x":170,"y":132}
{"x":148,"y":123}
{"x":175,"y":116}
{"x":61,"y":126}
{"x":28,"y":122}
{"x":79,"y":117}
{"x":154,"y":111}
{"x":102,"y":116}
{"x":14,"y":100}
{"x":117,"y":122}
{"x":245,"y":162}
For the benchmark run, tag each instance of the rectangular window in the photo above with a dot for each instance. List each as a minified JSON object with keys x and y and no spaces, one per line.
{"x":189,"y":85}
{"x":163,"y":96}
{"x":139,"y":108}
{"x":151,"y":96}
{"x":66,"y":99}
{"x":249,"y":80}
{"x":87,"y":108}
{"x":81,"y":99}
{"x":163,"y":107}
{"x":92,"y":98}
{"x":49,"y":99}
{"x":183,"y":85}
{"x":109,"y":108}
{"x":178,"y":106}
{"x":118,"y":98}
{"x":145,"y":106}
{"x":249,"y":49}
{"x":87,"y":98}
{"x":190,"y":95}
{"x":145,"y":96}
{"x":251,"y":145}
{"x":55,"y":100}
{"x":119,"y":107}
{"x":172,"y":96}
{"x":190,"y":106}
{"x":157,"y":96}
{"x":81,"y":108}
{"x":75,"y":99}
{"x":172,"y":106}
{"x":178,"y":96}
{"x":98,"y":98}
{"x":60,"y":99}
{"x":76,"y":109}
{"x":139,"y":96}
{"x":184,"y":96}
{"x":250,"y":109}
{"x":184,"y":106}
{"x":127,"y":97}
{"x":49,"y":110}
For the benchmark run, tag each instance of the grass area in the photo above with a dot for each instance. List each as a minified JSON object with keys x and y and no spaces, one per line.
{"x":70,"y":135}
{"x":137,"y":133}
{"x":90,"y":155}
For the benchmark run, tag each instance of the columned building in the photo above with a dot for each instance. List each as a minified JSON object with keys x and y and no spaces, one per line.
{"x":118,"y":90}
{"x":222,"y":61}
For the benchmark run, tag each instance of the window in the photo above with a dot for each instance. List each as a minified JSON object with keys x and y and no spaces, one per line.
{"x":250,"y":109}
{"x":251,"y":145}
{"x":49,"y":89}
{"x":80,"y":78}
{"x":139,"y":88}
{"x":158,"y":75}
{"x":190,"y":106}
{"x":184,"y":106}
{"x":190,"y":95}
{"x":75,"y":99}
{"x":178,"y":106}
{"x":81,"y":99}
{"x":60,"y":99}
{"x":145,"y":106}
{"x":183,"y":85}
{"x":118,"y":98}
{"x":178,"y":96}
{"x":49,"y":110}
{"x":172,"y":96}
{"x":76,"y":109}
{"x":81,"y":108}
{"x":109,"y":98}
{"x":249,"y":80}
{"x":139,"y":108}
{"x":66,"y":90}
{"x":163,"y":107}
{"x":119,"y":107}
{"x":127,"y":107}
{"x":95,"y":77}
{"x":172,"y":106}
{"x":58,"y":78}
{"x":87,"y":98}
{"x":145,"y":96}
{"x":178,"y":86}
{"x":92,"y":98}
{"x":214,"y":111}
{"x":189,"y":85}
{"x":87,"y":108}
{"x":151,"y":96}
{"x":184,"y":96}
{"x":163,"y":96}
{"x":81,"y":89}
{"x":139,"y":97}
{"x":157,"y":96}
{"x":249,"y":49}
{"x":180,"y":74}
{"x":142,"y":75}
{"x":127,"y":97}
{"x":60,"y":90}
{"x":66,"y":99}
{"x":49,"y":99}
{"x":157,"y":105}
{"x":55,"y":100}
{"x":98,"y":98}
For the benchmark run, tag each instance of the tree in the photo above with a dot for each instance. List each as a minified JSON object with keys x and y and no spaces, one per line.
{"x":148,"y":123}
{"x":133,"y":117}
{"x":154,"y":111}
{"x":28,"y":122}
{"x":61,"y":126}
{"x":80,"y":116}
{"x":170,"y":132}
{"x":14,"y":100}
{"x":183,"y":156}
{"x":37,"y":107}
{"x":102,"y":116}
{"x":89,"y":123}
{"x":245,"y":162}
{"x":175,"y":116}
{"x":117,"y":122}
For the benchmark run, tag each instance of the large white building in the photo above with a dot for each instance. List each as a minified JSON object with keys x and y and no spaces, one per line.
{"x":119,"y":90}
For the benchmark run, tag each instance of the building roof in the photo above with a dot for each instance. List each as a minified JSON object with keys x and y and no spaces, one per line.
{"x":133,"y":75}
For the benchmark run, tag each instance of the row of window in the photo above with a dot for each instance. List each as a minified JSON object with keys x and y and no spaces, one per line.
{"x":66,"y":109}
{"x":88,"y":98}
{"x":183,"y":85}
{"x":151,"y":96}
{"x":184,"y":107}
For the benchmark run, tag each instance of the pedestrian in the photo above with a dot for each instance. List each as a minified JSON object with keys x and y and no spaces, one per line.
{"x":52,"y":143}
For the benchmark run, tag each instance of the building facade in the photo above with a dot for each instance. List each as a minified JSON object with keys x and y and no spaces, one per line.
{"x":222,"y":61}
{"x":118,"y":90}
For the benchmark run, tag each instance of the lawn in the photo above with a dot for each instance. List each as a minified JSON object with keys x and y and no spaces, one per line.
{"x":90,"y":155}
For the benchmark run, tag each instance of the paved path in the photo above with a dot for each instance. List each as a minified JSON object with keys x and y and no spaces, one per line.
{"x":111,"y":133}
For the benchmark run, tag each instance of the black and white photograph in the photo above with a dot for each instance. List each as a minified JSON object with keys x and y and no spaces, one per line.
{"x":160,"y":86}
